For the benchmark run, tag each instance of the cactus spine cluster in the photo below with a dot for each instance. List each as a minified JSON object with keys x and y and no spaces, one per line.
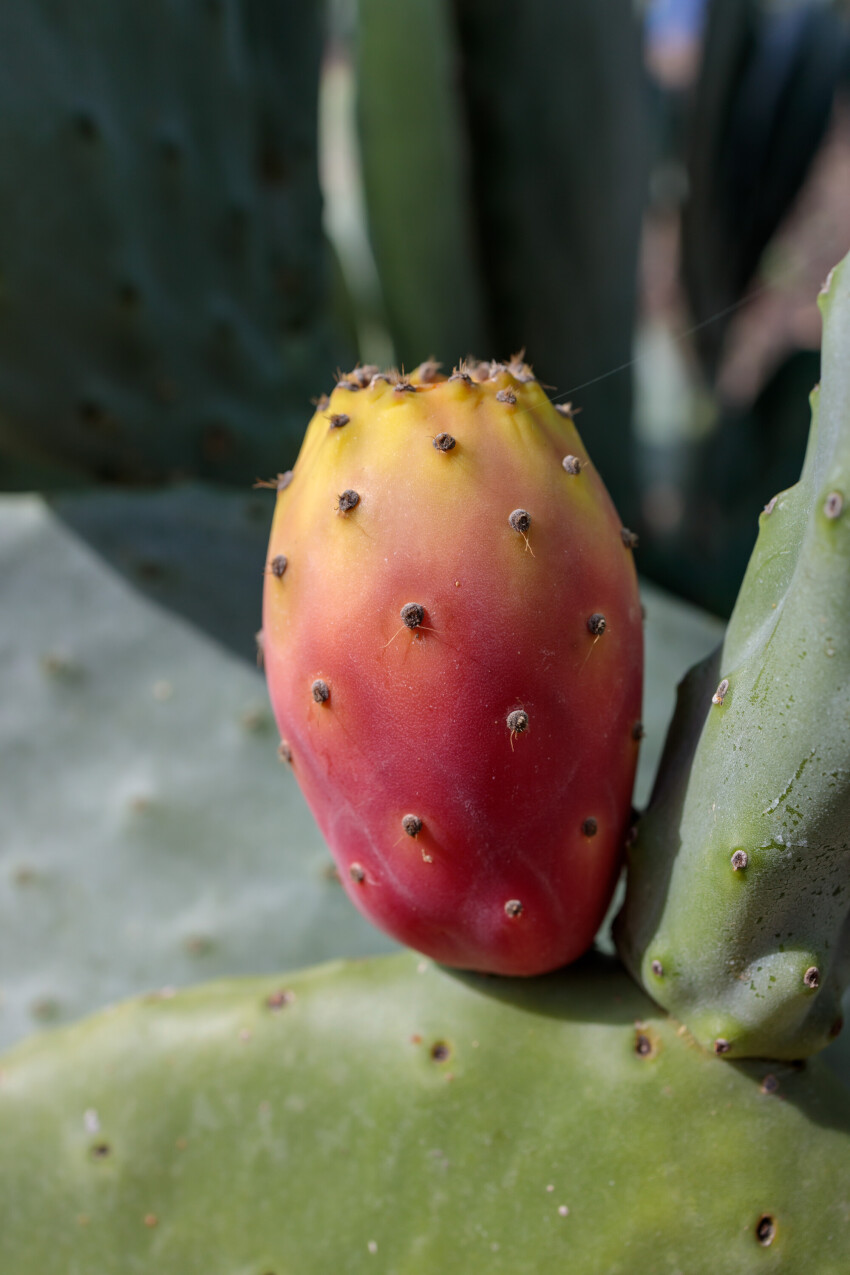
{"x":737,"y":918}
{"x":453,"y":645}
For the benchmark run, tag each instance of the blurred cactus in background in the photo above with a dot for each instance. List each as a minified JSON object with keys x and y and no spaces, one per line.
{"x":750,"y":190}
{"x":164,"y":307}
{"x":505,"y":190}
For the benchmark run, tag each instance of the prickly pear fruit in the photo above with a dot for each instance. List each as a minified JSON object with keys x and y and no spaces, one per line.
{"x":737,"y":915}
{"x":453,"y":646}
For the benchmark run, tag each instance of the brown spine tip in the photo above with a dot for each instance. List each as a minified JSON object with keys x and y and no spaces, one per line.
{"x":520,"y":520}
{"x":765,"y":1230}
{"x":357,"y":873}
{"x":571,"y":464}
{"x":278,"y":565}
{"x":720,"y":694}
{"x":444,"y":442}
{"x":513,"y":908}
{"x":506,"y":396}
{"x":517,"y":721}
{"x":638,"y":731}
{"x":321,"y":691}
{"x":597,"y":624}
{"x":657,"y":969}
{"x":833,"y":505}
{"x":348,"y":500}
{"x":284,"y":752}
{"x":629,"y":538}
{"x":412,"y":614}
{"x":739,"y":860}
{"x":590,"y":827}
{"x":721,"y":1046}
{"x":812,"y":977}
{"x":412,"y":825}
{"x":338,"y":419}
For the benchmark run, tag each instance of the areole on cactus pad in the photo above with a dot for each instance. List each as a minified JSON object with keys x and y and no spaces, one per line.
{"x":453,"y":645}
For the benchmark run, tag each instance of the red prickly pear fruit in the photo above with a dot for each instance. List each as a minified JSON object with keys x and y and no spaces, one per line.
{"x":454,"y":656}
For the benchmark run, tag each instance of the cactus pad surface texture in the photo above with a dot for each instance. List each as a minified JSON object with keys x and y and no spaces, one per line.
{"x":737,"y":917}
{"x":149,"y":834}
{"x":163,"y":289}
{"x":391,"y":1116}
{"x":453,"y":646}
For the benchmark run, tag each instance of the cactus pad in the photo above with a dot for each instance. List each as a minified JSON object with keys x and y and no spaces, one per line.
{"x":149,"y":834}
{"x":390,"y":1116}
{"x":162,"y":275}
{"x":737,"y":917}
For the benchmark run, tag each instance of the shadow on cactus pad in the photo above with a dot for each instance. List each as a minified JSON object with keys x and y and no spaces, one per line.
{"x":197,"y":550}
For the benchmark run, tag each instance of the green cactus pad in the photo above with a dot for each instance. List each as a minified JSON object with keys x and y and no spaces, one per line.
{"x":162,"y":270}
{"x":415,"y":178}
{"x":390,"y":1116}
{"x":557,"y":140}
{"x":737,"y":916}
{"x":505,"y":189}
{"x":149,"y":833}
